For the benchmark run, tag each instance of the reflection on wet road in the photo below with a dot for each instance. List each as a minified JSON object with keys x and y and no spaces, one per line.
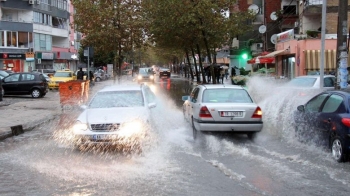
{"x":39,"y":163}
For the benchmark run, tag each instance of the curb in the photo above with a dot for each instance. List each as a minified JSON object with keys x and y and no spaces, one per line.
{"x":18,"y":129}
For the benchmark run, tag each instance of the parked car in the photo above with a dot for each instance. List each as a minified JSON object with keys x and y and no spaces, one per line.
{"x":3,"y":74}
{"x":312,"y":81}
{"x":9,"y":71}
{"x":1,"y":91}
{"x":145,"y":75}
{"x":222,"y":108}
{"x":49,"y":72}
{"x":61,"y":76}
{"x":164,"y":72}
{"x":25,"y":83}
{"x":116,"y":115}
{"x":325,"y":119}
{"x":100,"y":74}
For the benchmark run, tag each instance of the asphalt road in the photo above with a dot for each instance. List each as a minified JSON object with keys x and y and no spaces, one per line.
{"x":40,"y":163}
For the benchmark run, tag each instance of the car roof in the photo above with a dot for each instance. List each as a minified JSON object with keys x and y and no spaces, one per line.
{"x":131,"y":87}
{"x":216,"y":86}
{"x":314,"y":76}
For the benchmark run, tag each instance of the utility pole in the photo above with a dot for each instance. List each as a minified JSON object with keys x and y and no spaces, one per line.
{"x":342,"y":52}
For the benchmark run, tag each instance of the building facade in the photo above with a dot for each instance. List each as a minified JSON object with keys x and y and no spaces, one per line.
{"x":39,"y":29}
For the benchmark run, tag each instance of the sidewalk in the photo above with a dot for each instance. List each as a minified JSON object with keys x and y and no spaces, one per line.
{"x":34,"y":112}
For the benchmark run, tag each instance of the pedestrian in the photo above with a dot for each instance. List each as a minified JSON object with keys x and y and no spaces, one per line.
{"x":217,"y":74}
{"x":226,"y":73}
{"x":91,"y":78}
{"x":80,"y":74}
{"x":222,"y":74}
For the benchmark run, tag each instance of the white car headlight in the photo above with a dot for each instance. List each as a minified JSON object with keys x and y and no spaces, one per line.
{"x":79,"y":126}
{"x":151,"y":77}
{"x":131,"y":128}
{"x":139,"y":77}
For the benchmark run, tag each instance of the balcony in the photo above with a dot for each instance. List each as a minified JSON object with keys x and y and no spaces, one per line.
{"x":312,"y":7}
{"x":44,"y":29}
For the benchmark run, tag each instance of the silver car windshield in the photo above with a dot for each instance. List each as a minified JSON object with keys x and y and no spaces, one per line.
{"x":111,"y":99}
{"x":226,"y":95}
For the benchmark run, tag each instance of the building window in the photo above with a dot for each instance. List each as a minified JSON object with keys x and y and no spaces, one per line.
{"x":290,"y":10}
{"x":42,"y":18}
{"x":42,"y":42}
{"x":16,"y":39}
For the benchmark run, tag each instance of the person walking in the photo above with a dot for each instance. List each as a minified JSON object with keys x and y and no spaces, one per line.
{"x":80,"y":74}
{"x":222,"y":74}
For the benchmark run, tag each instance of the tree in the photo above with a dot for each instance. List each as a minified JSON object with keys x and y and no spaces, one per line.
{"x":115,"y":26}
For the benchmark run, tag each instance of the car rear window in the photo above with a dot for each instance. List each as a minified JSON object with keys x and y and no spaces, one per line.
{"x":226,"y":95}
{"x":110,"y":99}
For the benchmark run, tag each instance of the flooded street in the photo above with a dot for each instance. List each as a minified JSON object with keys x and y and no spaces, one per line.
{"x":41,"y":162}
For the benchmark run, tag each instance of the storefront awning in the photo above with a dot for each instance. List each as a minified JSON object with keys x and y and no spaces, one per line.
{"x":313,"y":61}
{"x":273,"y":54}
{"x":258,"y":59}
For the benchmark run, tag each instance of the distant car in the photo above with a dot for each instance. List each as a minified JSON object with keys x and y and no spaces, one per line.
{"x":25,"y":83}
{"x":47,"y":77}
{"x":164,"y":72}
{"x":1,"y":91}
{"x":100,"y":75}
{"x":61,"y":76}
{"x":325,"y":119}
{"x":116,"y":115}
{"x":145,"y":75}
{"x":311,"y":81}
{"x":222,"y":108}
{"x":49,"y":72}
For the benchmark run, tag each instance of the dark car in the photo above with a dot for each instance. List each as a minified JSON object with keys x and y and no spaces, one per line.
{"x":164,"y":72}
{"x":1,"y":90}
{"x":3,"y":74}
{"x":325,"y":119}
{"x":145,"y":75}
{"x":49,"y":72}
{"x":25,"y":83}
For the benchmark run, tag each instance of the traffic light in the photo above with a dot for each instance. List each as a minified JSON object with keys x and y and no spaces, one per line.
{"x":244,"y":56}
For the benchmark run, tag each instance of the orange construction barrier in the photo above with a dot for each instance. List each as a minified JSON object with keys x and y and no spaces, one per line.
{"x":86,"y":91}
{"x":72,"y":92}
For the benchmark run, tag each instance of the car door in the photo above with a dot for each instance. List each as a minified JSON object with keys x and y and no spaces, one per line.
{"x":311,"y":115}
{"x":27,"y":81}
{"x":10,"y":84}
{"x":330,"y":113}
{"x":194,"y":103}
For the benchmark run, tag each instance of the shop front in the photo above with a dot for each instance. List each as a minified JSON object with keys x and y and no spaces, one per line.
{"x":12,"y":61}
{"x":295,"y":57}
{"x":66,"y":60}
{"x":44,"y":60}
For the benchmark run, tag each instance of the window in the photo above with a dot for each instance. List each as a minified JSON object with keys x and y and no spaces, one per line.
{"x":332,"y":104}
{"x":194,"y":95}
{"x":11,"y":38}
{"x":42,"y":42}
{"x":42,"y":18}
{"x":27,"y":77}
{"x":315,"y":104}
{"x":290,"y":10}
{"x":12,"y":78}
{"x":329,"y":82}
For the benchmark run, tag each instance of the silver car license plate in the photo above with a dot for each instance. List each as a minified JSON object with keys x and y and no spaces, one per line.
{"x":98,"y":137}
{"x":232,"y":113}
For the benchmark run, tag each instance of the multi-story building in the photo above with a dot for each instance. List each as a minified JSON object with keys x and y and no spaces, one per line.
{"x":36,"y":34}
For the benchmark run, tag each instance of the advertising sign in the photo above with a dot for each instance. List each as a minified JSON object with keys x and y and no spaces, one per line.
{"x":285,"y":36}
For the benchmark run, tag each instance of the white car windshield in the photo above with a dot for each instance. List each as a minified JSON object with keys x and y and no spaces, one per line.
{"x":226,"y":95}
{"x":109,"y":99}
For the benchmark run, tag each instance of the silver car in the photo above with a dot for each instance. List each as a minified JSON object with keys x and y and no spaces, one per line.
{"x":312,"y":81}
{"x":222,"y":108}
{"x":116,"y":115}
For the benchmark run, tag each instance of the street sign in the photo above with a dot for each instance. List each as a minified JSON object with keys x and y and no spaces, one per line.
{"x":29,"y":56}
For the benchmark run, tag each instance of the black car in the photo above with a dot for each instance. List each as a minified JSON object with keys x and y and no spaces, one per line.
{"x":325,"y":119}
{"x":164,"y":72}
{"x":25,"y":83}
{"x":1,"y":90}
{"x":145,"y":75}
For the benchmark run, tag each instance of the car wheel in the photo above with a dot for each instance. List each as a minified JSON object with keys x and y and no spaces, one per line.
{"x":338,"y":149}
{"x":36,"y":93}
{"x":98,"y":79}
{"x":194,"y":130}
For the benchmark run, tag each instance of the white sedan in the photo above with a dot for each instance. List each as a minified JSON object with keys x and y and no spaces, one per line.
{"x":116,"y":115}
{"x":222,"y":108}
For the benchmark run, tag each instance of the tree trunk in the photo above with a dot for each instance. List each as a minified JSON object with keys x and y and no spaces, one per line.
{"x":200,"y":64}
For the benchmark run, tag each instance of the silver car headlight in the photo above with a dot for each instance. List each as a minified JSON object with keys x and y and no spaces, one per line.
{"x":132,"y":128}
{"x":79,"y":126}
{"x":139,"y":77}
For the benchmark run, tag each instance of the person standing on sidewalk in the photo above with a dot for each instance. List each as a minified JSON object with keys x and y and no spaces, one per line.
{"x":80,"y":74}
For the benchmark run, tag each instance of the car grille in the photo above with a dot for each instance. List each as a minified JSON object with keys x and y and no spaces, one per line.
{"x":108,"y":127}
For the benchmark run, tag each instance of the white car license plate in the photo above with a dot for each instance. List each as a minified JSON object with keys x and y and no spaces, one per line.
{"x":98,"y":137}
{"x":233,"y":113}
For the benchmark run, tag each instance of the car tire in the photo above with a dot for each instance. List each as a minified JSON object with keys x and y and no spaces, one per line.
{"x":36,"y":93}
{"x":194,"y":130}
{"x":98,"y":79}
{"x":338,"y":150}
